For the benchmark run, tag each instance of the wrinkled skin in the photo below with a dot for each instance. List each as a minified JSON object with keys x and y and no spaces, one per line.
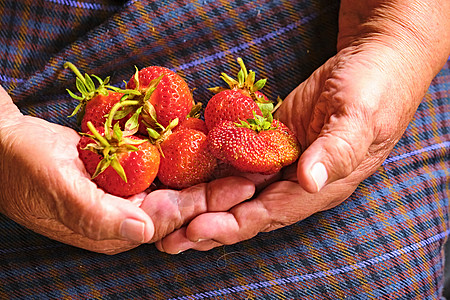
{"x":350,"y":113}
{"x":347,"y":116}
{"x":45,"y":187}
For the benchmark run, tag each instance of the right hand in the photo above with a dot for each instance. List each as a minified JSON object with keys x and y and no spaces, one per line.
{"x":347,"y":116}
{"x":45,"y":187}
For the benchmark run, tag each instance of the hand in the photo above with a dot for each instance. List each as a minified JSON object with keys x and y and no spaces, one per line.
{"x":44,"y":187}
{"x":347,"y":116}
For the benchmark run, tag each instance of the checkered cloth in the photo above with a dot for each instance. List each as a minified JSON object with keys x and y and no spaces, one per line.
{"x":384,"y":242}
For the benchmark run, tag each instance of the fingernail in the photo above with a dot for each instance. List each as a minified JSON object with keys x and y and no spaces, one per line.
{"x":319,"y":174}
{"x":133,"y":230}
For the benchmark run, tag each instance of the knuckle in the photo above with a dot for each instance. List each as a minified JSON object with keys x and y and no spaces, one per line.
{"x":344,"y":157}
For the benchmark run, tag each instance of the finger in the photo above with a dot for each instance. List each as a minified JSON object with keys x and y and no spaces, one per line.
{"x":281,"y":204}
{"x":100,"y":216}
{"x":222,"y":194}
{"x":170,"y":209}
{"x":241,"y":223}
{"x":177,"y":242}
{"x":259,"y":180}
{"x":138,"y":198}
{"x":339,"y":149}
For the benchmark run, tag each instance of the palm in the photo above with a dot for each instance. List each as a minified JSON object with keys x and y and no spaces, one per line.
{"x":55,"y":193}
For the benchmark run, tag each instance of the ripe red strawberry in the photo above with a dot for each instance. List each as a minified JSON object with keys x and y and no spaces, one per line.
{"x":239,"y":101}
{"x":120,"y":165}
{"x":186,"y":159}
{"x":259,"y":145}
{"x":193,"y":120}
{"x":192,"y":123}
{"x":231,"y":105}
{"x":100,"y":95}
{"x":170,"y":99}
{"x":98,"y":108}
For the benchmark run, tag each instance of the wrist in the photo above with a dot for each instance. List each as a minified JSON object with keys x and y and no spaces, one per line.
{"x":408,"y":40}
{"x":417,"y":30}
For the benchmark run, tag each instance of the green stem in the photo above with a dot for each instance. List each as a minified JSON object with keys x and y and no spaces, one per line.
{"x":97,"y":135}
{"x":116,"y":107}
{"x":244,"y":69}
{"x":75,"y":70}
{"x":113,"y":111}
{"x":279,"y":102}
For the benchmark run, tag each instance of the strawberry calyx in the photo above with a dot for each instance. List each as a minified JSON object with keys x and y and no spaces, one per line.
{"x":144,"y":93}
{"x":119,"y":111}
{"x":258,"y":123}
{"x":136,"y":101}
{"x":245,"y":81}
{"x":110,"y":146}
{"x":87,"y":88}
{"x":143,"y":106}
{"x":156,"y":137}
{"x":195,"y":110}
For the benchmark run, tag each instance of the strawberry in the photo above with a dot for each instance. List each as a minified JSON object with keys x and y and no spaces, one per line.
{"x":231,"y":105}
{"x":193,"y":120}
{"x":186,"y":159}
{"x":97,"y":109}
{"x":163,"y":94}
{"x":259,"y":145}
{"x":90,"y":93}
{"x":239,"y":101}
{"x":192,"y":123}
{"x":119,"y":164}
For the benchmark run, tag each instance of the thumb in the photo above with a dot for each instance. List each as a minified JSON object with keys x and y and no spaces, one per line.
{"x":100,"y":216}
{"x":338,"y":150}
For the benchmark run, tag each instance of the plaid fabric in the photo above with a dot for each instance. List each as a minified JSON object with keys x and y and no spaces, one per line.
{"x":385,"y":242}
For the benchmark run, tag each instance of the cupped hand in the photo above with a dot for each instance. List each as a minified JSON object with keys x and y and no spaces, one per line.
{"x":44,"y":187}
{"x":348,"y":115}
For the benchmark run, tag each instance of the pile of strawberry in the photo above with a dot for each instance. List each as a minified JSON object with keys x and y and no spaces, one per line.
{"x":151,"y":131}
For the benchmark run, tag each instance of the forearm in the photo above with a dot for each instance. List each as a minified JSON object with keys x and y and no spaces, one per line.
{"x":418,"y":30}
